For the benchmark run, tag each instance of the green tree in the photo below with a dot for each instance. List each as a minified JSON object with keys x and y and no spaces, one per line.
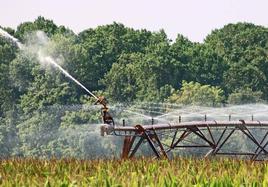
{"x":46,"y":90}
{"x":244,"y":96}
{"x":9,"y":141}
{"x":40,"y":24}
{"x":193,"y":93}
{"x":21,"y":71}
{"x":7,"y":54}
{"x":120,"y":81}
{"x":105,"y":44}
{"x":234,"y":40}
{"x":239,"y":76}
{"x":182,"y":50}
{"x":37,"y":132}
{"x":71,"y":55}
{"x":141,"y":77}
{"x":205,"y":66}
{"x":244,"y":47}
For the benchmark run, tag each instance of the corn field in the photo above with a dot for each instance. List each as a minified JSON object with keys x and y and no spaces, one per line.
{"x":136,"y":172}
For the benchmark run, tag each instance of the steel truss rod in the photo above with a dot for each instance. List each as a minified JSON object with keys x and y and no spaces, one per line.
{"x":160,"y":145}
{"x":256,"y":155}
{"x":219,"y":146}
{"x":199,"y":133}
{"x":136,"y":147}
{"x":263,"y":139}
{"x":257,"y":151}
{"x":152,"y":139}
{"x":128,"y":142}
{"x":182,"y":137}
{"x":245,"y":130}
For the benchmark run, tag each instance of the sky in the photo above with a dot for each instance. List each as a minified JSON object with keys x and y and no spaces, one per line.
{"x":194,"y":19}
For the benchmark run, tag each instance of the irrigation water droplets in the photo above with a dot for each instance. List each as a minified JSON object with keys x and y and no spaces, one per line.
{"x":38,"y":46}
{"x":13,"y":39}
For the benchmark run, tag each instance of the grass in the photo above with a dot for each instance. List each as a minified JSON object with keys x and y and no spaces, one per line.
{"x":137,"y":172}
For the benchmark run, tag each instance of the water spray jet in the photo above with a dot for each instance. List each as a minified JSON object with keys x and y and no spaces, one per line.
{"x":107,"y":118}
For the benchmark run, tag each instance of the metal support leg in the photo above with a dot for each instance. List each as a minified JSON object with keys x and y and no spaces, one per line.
{"x":149,"y":140}
{"x":174,"y":137}
{"x":132,"y":153}
{"x":128,"y":142}
{"x":160,"y":145}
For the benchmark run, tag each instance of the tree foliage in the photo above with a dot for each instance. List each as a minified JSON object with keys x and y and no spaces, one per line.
{"x":243,"y":96}
{"x":193,"y":93}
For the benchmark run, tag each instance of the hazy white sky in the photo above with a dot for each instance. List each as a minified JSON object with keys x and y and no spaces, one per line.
{"x":192,"y":18}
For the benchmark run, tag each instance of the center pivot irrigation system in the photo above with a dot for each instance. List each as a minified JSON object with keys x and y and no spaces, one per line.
{"x":214,"y":137}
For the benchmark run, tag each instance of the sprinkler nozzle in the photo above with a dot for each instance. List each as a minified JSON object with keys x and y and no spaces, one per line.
{"x":106,"y":117}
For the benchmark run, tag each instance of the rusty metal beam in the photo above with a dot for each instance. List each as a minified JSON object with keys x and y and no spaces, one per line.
{"x":160,"y":145}
{"x":184,"y":125}
{"x":205,"y":130}
{"x":149,"y":140}
{"x":128,"y":142}
{"x":211,"y":136}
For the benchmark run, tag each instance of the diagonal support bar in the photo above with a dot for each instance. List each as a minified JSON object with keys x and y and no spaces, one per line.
{"x":216,"y":150}
{"x":132,"y":153}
